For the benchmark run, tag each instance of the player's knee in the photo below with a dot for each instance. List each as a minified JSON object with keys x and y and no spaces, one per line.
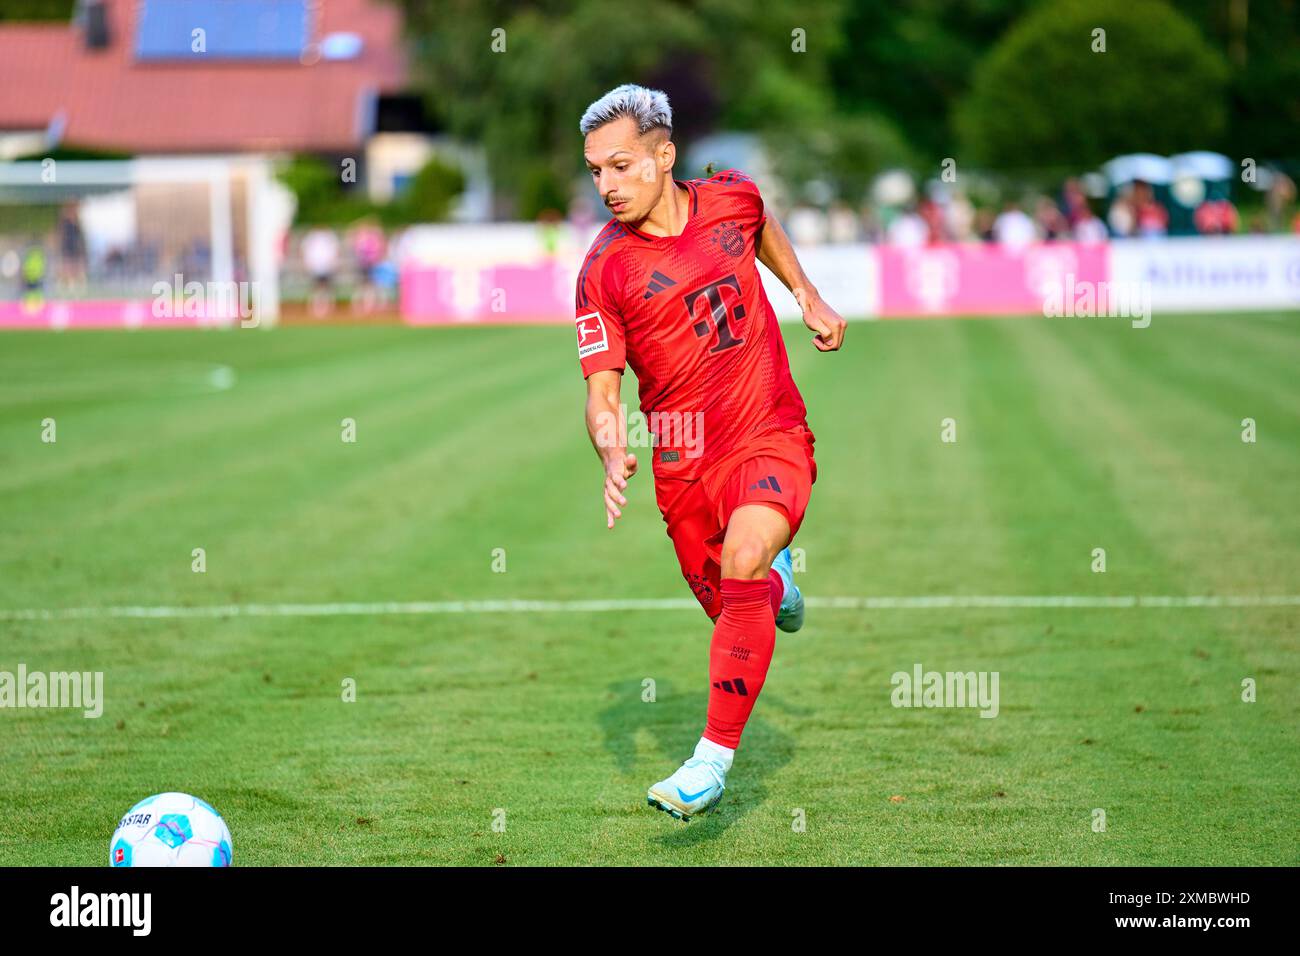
{"x":747,"y":559}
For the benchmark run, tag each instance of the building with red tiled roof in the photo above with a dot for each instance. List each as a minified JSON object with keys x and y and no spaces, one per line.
{"x":258,"y":75}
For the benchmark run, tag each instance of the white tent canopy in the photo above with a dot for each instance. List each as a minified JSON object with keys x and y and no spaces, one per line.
{"x":1203,"y":164}
{"x":1147,"y":167}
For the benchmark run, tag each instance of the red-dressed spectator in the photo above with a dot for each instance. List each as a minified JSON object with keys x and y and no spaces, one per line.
{"x":1218,"y":217}
{"x":1151,"y":217}
{"x":932,"y":215}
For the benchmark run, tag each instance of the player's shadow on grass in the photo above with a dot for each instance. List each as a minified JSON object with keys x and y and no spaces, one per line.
{"x":673,"y":722}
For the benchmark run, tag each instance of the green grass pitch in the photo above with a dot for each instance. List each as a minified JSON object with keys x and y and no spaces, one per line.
{"x":523,"y":738}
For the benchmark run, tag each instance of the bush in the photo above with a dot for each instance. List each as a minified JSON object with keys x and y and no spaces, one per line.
{"x":315,"y":185}
{"x":1043,"y":96}
{"x":322,"y":200}
{"x":429,"y":196}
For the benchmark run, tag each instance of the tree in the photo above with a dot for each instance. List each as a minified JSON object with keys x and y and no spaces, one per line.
{"x":1261,"y":40}
{"x":911,"y":60}
{"x":37,"y":10}
{"x":322,"y":200}
{"x":516,"y":80}
{"x":1047,"y":93}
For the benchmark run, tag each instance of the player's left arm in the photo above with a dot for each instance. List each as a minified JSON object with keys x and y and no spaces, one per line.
{"x":775,"y":252}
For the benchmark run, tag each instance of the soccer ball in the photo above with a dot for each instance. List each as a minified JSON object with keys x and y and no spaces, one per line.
{"x":170,"y":829}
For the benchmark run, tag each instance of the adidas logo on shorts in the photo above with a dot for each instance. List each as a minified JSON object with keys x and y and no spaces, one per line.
{"x":768,"y":483}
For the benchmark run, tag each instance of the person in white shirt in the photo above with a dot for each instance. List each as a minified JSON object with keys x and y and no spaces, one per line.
{"x":1013,"y":227}
{"x":320,"y":256}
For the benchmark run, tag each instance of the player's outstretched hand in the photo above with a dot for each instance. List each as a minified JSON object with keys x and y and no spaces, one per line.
{"x":822,"y":319}
{"x":618,"y":469}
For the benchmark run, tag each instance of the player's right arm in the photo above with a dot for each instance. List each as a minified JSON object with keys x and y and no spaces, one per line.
{"x":602,"y":355}
{"x":606,"y":428}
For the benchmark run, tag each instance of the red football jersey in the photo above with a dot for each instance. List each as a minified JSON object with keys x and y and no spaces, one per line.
{"x":689,"y":314}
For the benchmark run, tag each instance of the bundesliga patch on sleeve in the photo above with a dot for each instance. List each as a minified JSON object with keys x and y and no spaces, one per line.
{"x":591,"y":335}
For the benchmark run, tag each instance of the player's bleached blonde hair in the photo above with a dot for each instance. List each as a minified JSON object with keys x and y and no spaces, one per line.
{"x":648,"y":108}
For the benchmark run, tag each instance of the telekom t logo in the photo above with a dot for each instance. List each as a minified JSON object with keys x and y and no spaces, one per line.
{"x":719,"y":315}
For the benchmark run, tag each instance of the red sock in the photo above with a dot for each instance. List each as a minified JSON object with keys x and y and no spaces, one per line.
{"x":778,"y":592}
{"x":743,"y":640}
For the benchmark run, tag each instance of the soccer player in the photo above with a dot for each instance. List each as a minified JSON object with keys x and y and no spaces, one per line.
{"x":671,"y":288}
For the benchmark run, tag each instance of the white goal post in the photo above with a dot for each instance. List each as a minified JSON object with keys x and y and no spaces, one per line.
{"x":95,"y":242}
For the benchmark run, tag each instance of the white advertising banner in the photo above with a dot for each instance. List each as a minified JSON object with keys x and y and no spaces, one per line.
{"x":1213,"y":273}
{"x":847,"y":276}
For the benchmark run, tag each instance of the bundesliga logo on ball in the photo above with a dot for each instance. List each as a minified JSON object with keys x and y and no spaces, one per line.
{"x":171,"y":829}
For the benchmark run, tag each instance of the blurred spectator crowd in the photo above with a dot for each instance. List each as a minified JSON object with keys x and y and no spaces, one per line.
{"x":357,"y":266}
{"x":1080,"y":210}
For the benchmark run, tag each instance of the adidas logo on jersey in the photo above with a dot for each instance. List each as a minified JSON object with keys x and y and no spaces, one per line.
{"x":658,"y":282}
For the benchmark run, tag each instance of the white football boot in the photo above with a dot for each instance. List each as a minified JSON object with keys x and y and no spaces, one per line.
{"x":695,"y":788}
{"x":790,"y":617}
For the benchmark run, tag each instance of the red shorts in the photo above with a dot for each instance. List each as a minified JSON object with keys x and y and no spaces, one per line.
{"x":776,"y":469}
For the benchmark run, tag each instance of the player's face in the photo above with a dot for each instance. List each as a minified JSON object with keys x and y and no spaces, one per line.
{"x":625,"y":168}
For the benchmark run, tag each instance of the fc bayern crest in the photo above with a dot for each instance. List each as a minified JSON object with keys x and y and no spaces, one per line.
{"x":700,"y":585}
{"x":729,"y":238}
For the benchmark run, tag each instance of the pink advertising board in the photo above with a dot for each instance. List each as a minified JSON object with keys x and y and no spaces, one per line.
{"x":975,"y":279}
{"x":438,"y":294}
{"x":108,"y":314}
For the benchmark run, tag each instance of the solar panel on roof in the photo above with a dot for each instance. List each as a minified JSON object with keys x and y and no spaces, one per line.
{"x":232,"y":29}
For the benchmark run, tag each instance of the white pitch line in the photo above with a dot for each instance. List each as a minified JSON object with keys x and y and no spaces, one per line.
{"x":1053,"y":600}
{"x":919,"y":602}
